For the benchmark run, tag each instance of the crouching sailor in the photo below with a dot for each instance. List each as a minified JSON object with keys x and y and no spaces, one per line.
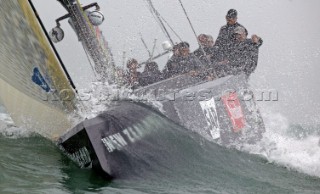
{"x":133,"y":76}
{"x":243,"y":54}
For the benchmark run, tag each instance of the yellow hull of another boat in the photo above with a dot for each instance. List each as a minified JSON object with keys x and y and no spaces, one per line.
{"x":32,"y":82}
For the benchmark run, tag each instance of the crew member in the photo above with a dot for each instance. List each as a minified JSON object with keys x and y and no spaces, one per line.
{"x":133,"y":75}
{"x":243,"y":55}
{"x":225,"y":38}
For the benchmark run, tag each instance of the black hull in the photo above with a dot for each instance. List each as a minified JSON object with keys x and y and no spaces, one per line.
{"x":105,"y":142}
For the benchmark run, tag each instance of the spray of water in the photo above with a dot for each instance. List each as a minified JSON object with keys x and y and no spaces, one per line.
{"x":9,"y":130}
{"x":285,"y":146}
{"x":281,"y":143}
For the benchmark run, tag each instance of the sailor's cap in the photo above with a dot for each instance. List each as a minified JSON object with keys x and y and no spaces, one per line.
{"x":232,"y":13}
{"x":184,"y":45}
{"x":239,"y":30}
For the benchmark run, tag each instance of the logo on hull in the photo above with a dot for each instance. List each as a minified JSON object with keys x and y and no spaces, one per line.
{"x":235,"y":113}
{"x":38,"y":79}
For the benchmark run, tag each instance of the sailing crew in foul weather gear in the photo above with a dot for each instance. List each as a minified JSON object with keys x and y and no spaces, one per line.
{"x":200,"y":52}
{"x":225,"y":38}
{"x":188,"y":62}
{"x":151,"y":74}
{"x":132,"y":75}
{"x":120,"y":76}
{"x":205,"y":53}
{"x":206,"y":49}
{"x":172,"y":62}
{"x":243,"y":55}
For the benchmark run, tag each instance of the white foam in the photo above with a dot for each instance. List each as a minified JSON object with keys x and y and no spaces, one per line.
{"x":101,"y":96}
{"x":9,"y":130}
{"x":6,"y":118}
{"x":277,"y":146}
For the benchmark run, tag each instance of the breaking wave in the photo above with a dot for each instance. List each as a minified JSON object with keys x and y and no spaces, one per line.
{"x":8,"y":129}
{"x":291,"y":145}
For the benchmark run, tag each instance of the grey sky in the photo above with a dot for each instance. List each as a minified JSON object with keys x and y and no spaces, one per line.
{"x":289,"y":58}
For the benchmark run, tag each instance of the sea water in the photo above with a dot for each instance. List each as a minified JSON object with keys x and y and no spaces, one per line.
{"x":287,"y":160}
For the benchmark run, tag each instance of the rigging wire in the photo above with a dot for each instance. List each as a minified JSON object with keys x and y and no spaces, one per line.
{"x":185,"y":12}
{"x":175,"y":33}
{"x":157,"y":16}
{"x":145,"y":45}
{"x":194,"y":32}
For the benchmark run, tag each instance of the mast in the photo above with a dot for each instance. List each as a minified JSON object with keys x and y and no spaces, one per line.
{"x":103,"y":66}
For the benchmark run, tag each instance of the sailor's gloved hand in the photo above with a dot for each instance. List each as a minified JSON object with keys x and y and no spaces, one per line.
{"x":209,"y":77}
{"x":255,"y":39}
{"x":193,"y":73}
{"x":224,"y":62}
